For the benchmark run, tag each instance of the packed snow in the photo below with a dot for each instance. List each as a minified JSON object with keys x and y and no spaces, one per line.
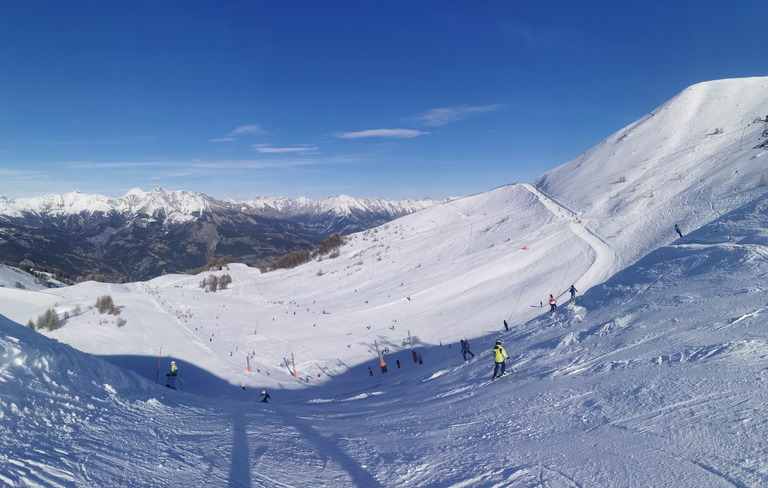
{"x":653,"y":377}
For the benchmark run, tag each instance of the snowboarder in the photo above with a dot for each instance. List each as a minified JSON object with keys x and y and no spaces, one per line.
{"x":465,"y":349}
{"x":265,"y":395}
{"x":552,"y":303}
{"x":500,"y":357}
{"x":171,"y":382}
{"x":677,"y":229}
{"x":573,"y":291}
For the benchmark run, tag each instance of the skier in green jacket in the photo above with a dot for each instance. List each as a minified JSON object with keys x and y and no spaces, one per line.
{"x":172,"y":375}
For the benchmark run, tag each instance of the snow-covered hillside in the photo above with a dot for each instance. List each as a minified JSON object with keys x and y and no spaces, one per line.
{"x":16,"y":278}
{"x":688,"y":162}
{"x":654,"y":377}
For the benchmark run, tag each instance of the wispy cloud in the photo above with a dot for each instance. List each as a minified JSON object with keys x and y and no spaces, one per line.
{"x":446,"y":115}
{"x":243,"y":130}
{"x":252,"y":129}
{"x":395,"y":133}
{"x":265,"y":149}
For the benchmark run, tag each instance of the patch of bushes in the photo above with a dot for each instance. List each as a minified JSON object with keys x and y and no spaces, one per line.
{"x":214,"y":283}
{"x":105,"y":304}
{"x":328,"y":248}
{"x":48,"y":321}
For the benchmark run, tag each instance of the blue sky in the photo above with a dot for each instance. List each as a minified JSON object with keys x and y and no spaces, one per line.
{"x":397,"y":99}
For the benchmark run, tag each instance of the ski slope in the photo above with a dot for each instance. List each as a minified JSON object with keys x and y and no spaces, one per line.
{"x":653,"y":378}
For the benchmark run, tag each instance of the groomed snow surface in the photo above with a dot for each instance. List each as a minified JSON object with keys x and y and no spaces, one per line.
{"x":656,"y":376}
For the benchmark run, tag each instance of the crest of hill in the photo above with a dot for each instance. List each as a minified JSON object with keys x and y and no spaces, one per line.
{"x":687,"y":162}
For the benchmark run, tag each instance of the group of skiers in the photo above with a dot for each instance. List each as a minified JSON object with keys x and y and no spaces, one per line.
{"x":553,"y":300}
{"x":499,"y":354}
{"x":174,"y":372}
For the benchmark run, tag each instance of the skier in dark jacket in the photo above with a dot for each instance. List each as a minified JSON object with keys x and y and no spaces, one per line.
{"x":265,"y":395}
{"x":573,"y":291}
{"x":679,"y":232}
{"x":465,"y":349}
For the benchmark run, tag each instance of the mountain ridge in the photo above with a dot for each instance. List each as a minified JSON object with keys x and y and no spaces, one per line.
{"x":144,"y":234}
{"x":183,"y":204}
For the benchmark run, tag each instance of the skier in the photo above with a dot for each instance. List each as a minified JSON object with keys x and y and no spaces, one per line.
{"x":573,"y":291}
{"x":265,"y":395}
{"x":465,"y":349}
{"x":677,"y":229}
{"x":552,"y":303}
{"x":171,"y":377}
{"x":499,"y":356}
{"x":506,"y":325}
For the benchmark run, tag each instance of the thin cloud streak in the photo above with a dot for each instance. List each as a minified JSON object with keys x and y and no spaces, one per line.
{"x":394,"y":133}
{"x":447,"y":115}
{"x":252,"y":129}
{"x":284,"y":150}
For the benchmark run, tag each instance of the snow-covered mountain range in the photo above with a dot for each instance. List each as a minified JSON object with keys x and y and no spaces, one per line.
{"x":183,"y":206}
{"x":142,"y":234}
{"x":653,"y":377}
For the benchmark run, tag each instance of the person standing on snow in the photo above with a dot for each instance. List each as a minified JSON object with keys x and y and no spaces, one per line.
{"x":552,"y":303}
{"x":172,"y":375}
{"x":465,"y":349}
{"x":499,"y":357}
{"x":573,"y":291}
{"x":677,"y":229}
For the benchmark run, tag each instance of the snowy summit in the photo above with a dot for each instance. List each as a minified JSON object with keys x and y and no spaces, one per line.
{"x":652,"y":376}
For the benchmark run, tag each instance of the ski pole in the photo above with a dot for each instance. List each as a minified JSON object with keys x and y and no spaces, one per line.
{"x":158,"y":364}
